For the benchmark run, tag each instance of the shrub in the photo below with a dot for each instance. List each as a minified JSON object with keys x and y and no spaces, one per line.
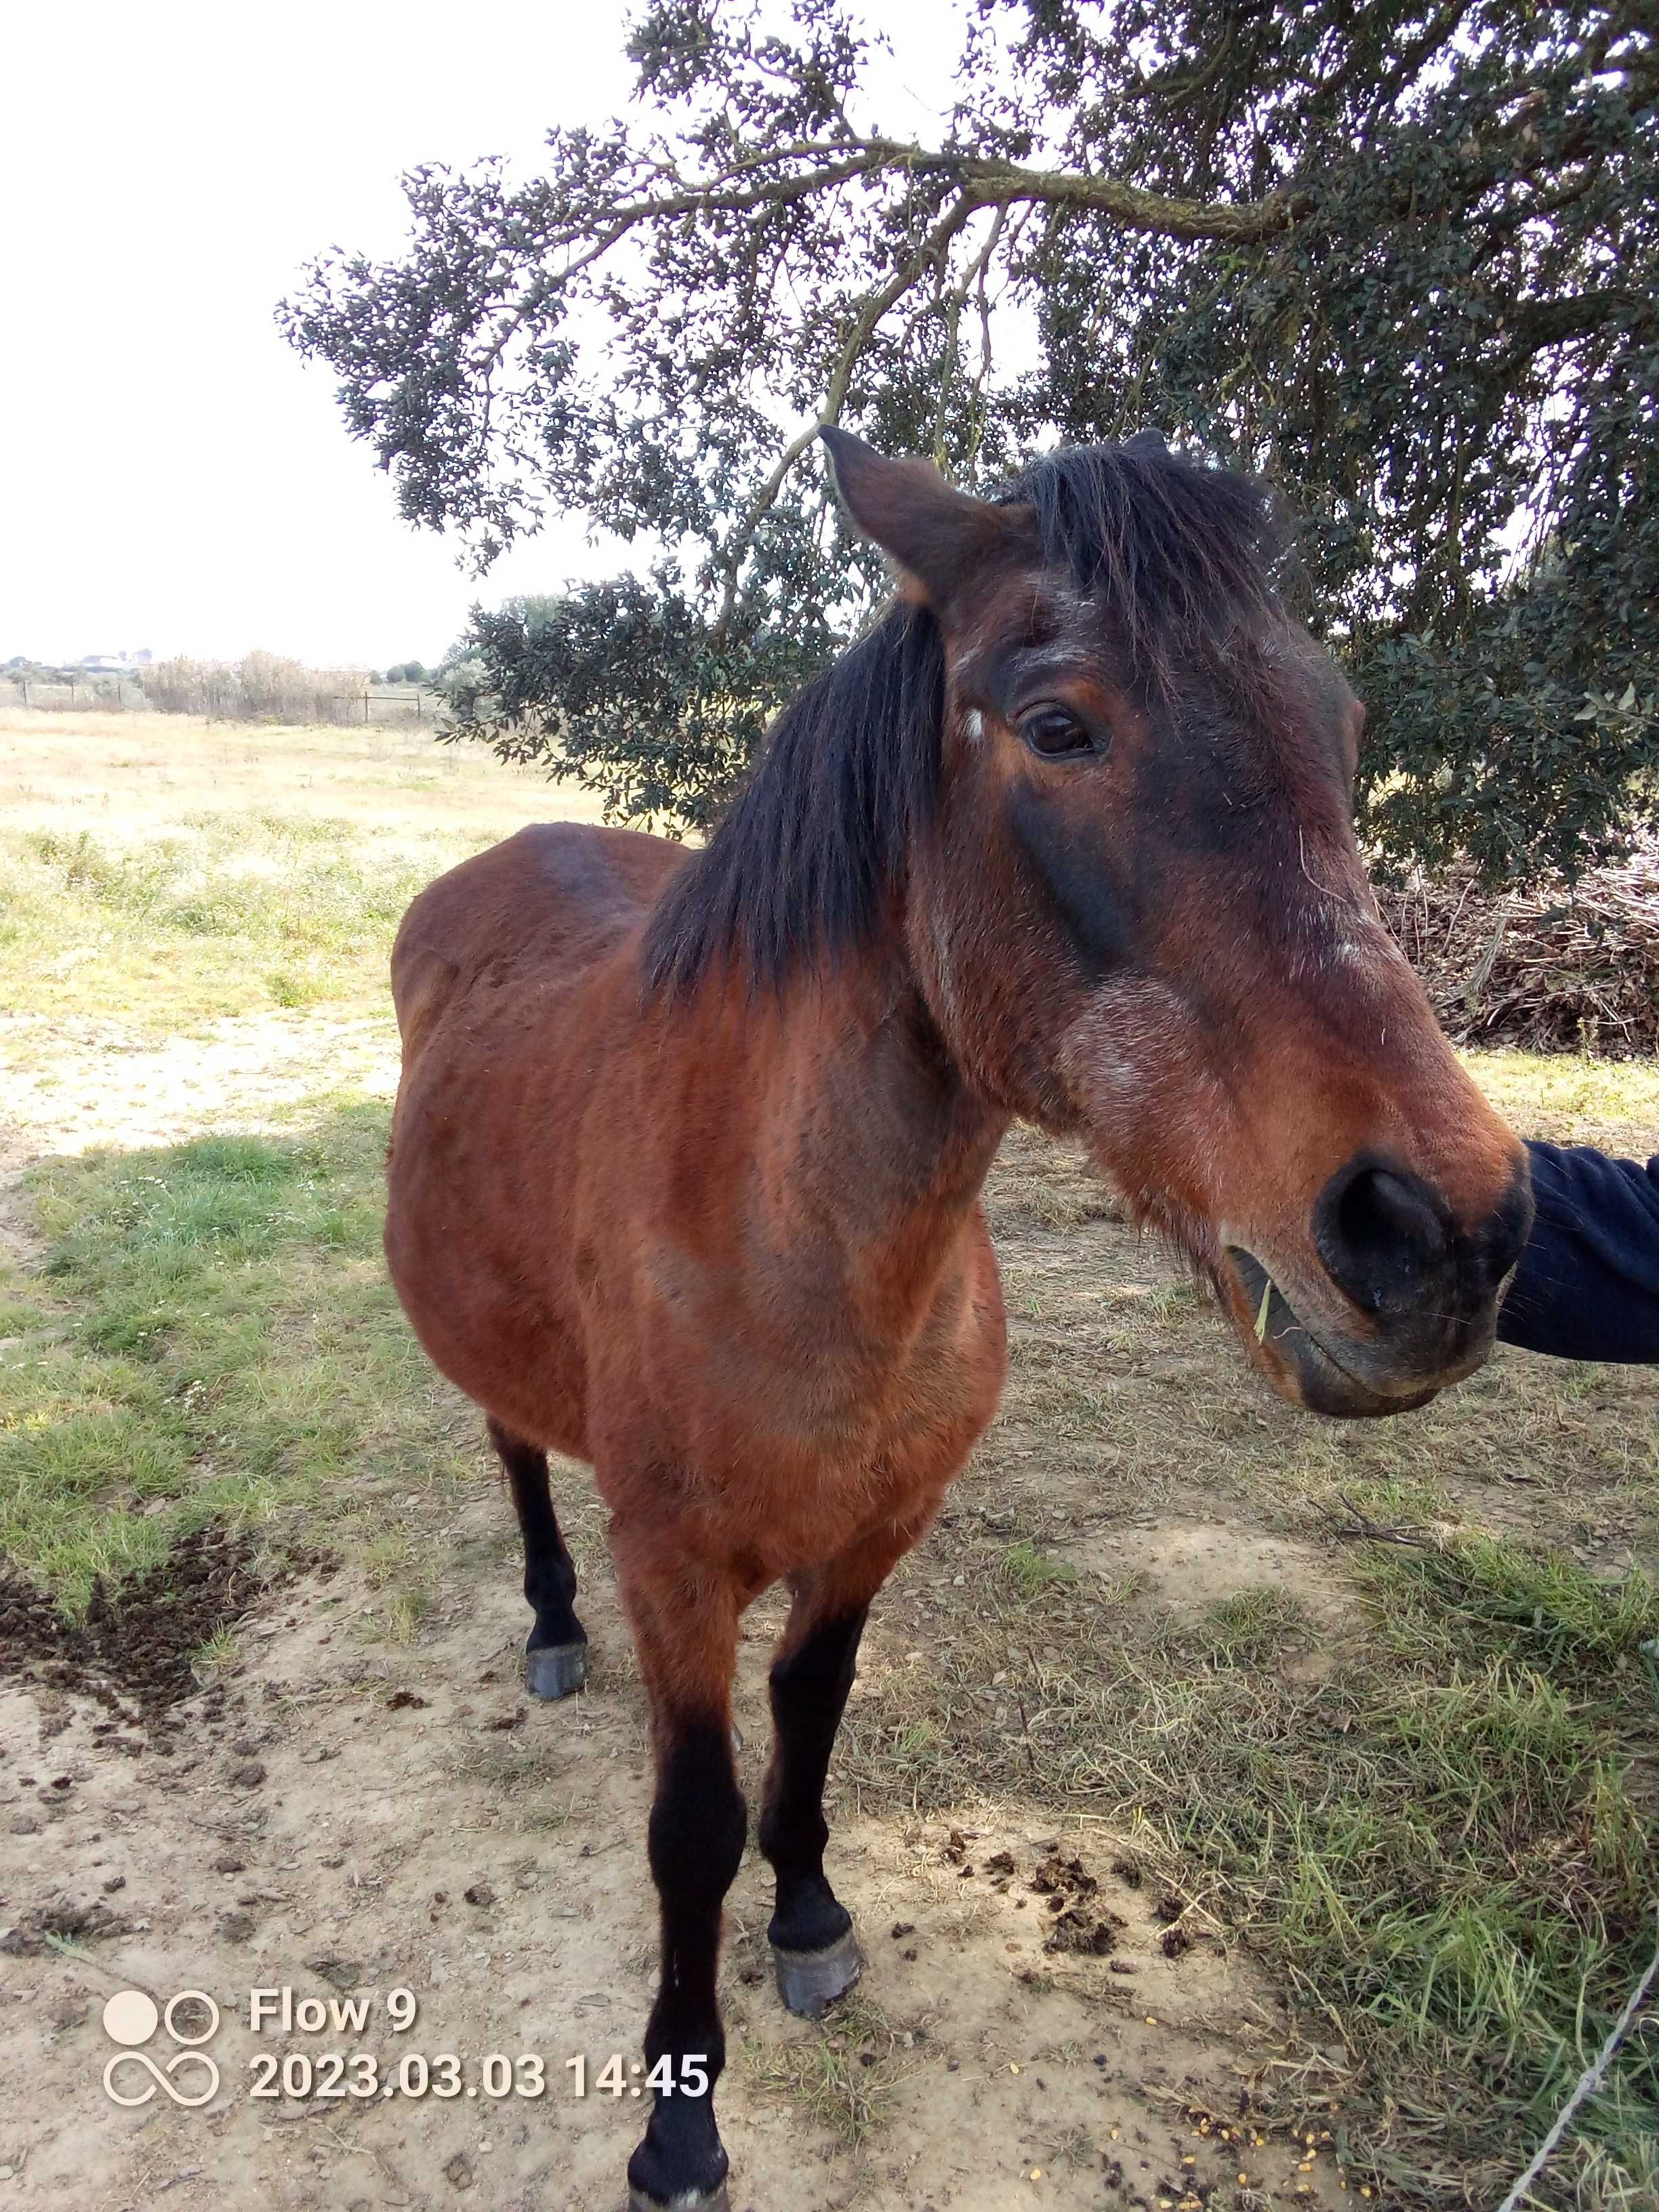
{"x":260,"y":687}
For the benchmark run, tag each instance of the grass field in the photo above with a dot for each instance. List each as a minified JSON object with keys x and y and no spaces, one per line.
{"x":1413,"y":1767}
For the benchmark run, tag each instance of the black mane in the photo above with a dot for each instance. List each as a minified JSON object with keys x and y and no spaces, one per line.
{"x":817,"y":837}
{"x":815,"y":843}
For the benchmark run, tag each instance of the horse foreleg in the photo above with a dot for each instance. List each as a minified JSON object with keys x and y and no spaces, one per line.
{"x":686,"y":1633}
{"x":815,"y":1953}
{"x":555,"y":1656}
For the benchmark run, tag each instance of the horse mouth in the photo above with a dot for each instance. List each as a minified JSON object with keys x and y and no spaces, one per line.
{"x":1301,"y":1366}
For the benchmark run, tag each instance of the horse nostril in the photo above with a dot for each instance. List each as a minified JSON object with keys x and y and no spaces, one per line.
{"x":1381,"y":1235}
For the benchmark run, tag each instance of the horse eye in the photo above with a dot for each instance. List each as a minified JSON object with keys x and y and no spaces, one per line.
{"x":1053,"y":730}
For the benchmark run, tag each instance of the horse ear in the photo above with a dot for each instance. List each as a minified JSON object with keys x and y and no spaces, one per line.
{"x":937,"y":535}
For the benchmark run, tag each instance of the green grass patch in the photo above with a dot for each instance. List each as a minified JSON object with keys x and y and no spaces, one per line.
{"x":1028,"y":1571}
{"x":1249,"y":1629}
{"x":213,"y":1336}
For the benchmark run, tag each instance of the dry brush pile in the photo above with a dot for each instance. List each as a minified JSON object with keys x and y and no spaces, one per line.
{"x":1550,"y":968}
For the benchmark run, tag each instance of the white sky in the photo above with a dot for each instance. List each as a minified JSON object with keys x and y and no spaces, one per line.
{"x":172,"y":475}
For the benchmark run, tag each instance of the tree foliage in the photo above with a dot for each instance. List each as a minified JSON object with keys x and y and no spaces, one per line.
{"x":1403,"y":260}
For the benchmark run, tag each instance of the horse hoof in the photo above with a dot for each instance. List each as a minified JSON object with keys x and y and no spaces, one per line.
{"x":718,"y":2201}
{"x":556,"y":1670}
{"x":809,"y":1982}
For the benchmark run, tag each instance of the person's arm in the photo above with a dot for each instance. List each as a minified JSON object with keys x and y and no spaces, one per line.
{"x":1587,"y":1286}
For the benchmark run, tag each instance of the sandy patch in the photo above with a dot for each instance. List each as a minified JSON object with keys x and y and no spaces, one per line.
{"x":74,"y":1085}
{"x":415,"y":1822}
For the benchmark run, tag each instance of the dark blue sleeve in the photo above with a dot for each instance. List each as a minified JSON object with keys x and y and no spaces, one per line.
{"x":1588,"y":1284}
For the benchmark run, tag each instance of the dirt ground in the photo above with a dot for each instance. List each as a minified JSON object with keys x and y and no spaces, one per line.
{"x":329,"y":1814}
{"x":322,"y":1825}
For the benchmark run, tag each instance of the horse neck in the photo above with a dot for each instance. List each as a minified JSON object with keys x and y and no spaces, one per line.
{"x":879,"y":1139}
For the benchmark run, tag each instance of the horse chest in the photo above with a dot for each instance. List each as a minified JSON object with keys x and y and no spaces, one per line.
{"x":840,"y":1413}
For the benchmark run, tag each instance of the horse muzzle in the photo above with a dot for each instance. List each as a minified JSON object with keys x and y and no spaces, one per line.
{"x":1311,"y":1369}
{"x":1391,"y":1304}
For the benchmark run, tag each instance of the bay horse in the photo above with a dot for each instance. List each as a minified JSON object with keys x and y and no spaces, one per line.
{"x":686,"y":1165}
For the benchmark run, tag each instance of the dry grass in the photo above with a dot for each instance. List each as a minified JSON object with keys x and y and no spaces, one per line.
{"x":1573,"y":1099}
{"x":1124,"y":1378}
{"x":843,"y":2074}
{"x":203,"y":871}
{"x":260,"y":687}
{"x":132,"y":778}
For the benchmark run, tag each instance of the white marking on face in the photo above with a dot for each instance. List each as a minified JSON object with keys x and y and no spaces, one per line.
{"x":973,"y":723}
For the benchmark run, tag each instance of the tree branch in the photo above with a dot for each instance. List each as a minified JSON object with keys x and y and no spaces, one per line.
{"x":987,"y":180}
{"x":864,"y":327}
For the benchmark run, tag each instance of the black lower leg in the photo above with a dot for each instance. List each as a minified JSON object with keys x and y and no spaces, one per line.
{"x":550,"y":1575}
{"x":810,"y":1685}
{"x":697,"y":1826}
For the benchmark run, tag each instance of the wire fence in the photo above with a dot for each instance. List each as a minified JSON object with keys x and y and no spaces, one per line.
{"x":382,"y":702}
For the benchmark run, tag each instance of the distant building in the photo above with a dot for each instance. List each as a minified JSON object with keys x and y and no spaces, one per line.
{"x":115,"y":664}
